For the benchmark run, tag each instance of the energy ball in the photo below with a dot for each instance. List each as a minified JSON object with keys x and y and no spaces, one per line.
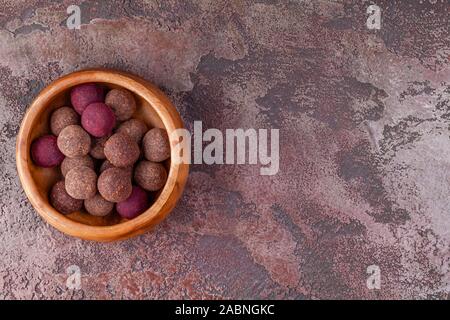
{"x":122,"y":102}
{"x":135,"y":128}
{"x":106,"y":165}
{"x":81,"y":183}
{"x":70,"y":163}
{"x":98,"y":206}
{"x":97,"y":148}
{"x":62,"y":201}
{"x":98,"y":119}
{"x":73,"y":141}
{"x":84,"y":94}
{"x":134,"y":205}
{"x":61,"y":118}
{"x":156,"y":145}
{"x":45,"y":152}
{"x":150,"y":175}
{"x":114,"y":184}
{"x":121,"y":150}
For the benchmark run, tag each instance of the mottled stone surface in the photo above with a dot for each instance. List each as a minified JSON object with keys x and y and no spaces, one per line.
{"x":364,"y":119}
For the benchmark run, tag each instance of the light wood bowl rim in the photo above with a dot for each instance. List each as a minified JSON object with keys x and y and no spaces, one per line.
{"x":168,"y":197}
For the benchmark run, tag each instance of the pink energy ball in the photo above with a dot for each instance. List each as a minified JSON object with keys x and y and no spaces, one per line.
{"x":45,"y":152}
{"x":98,"y":119}
{"x":84,"y":94}
{"x":136,"y":203}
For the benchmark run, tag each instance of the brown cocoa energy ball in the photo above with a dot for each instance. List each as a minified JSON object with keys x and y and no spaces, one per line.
{"x":122,"y":102}
{"x":70,"y":163}
{"x":97,"y":148}
{"x":156,"y":145}
{"x":63,"y":117}
{"x":73,"y":141}
{"x":62,"y":201}
{"x":98,"y":206}
{"x":121,"y":150}
{"x":150,"y":175}
{"x":135,"y":128}
{"x":81,"y":183}
{"x":114,"y":184}
{"x":106,"y":165}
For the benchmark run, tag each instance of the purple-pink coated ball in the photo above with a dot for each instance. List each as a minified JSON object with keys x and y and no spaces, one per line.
{"x":84,"y":94}
{"x":98,"y":119}
{"x":136,"y":204}
{"x":45,"y":152}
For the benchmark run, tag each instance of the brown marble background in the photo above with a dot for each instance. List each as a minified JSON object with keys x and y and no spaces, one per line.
{"x":364,"y":143}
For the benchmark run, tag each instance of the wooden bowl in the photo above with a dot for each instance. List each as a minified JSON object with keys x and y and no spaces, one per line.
{"x":153,"y":107}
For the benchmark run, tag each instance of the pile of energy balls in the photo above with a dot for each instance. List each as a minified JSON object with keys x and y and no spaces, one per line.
{"x":108,"y":159}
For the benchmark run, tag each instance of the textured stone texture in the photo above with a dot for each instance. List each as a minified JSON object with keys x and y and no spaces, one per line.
{"x":364,"y":142}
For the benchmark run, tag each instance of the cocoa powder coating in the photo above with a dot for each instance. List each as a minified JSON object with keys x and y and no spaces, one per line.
{"x":62,"y":201}
{"x":121,"y":150}
{"x":70,"y":163}
{"x":156,"y":145}
{"x":63,"y":117}
{"x":73,"y":141}
{"x":97,"y":148}
{"x":135,"y":128}
{"x":114,"y":184}
{"x":150,"y":175}
{"x":122,"y":102}
{"x":106,"y":165}
{"x":81,"y":183}
{"x":98,"y":206}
